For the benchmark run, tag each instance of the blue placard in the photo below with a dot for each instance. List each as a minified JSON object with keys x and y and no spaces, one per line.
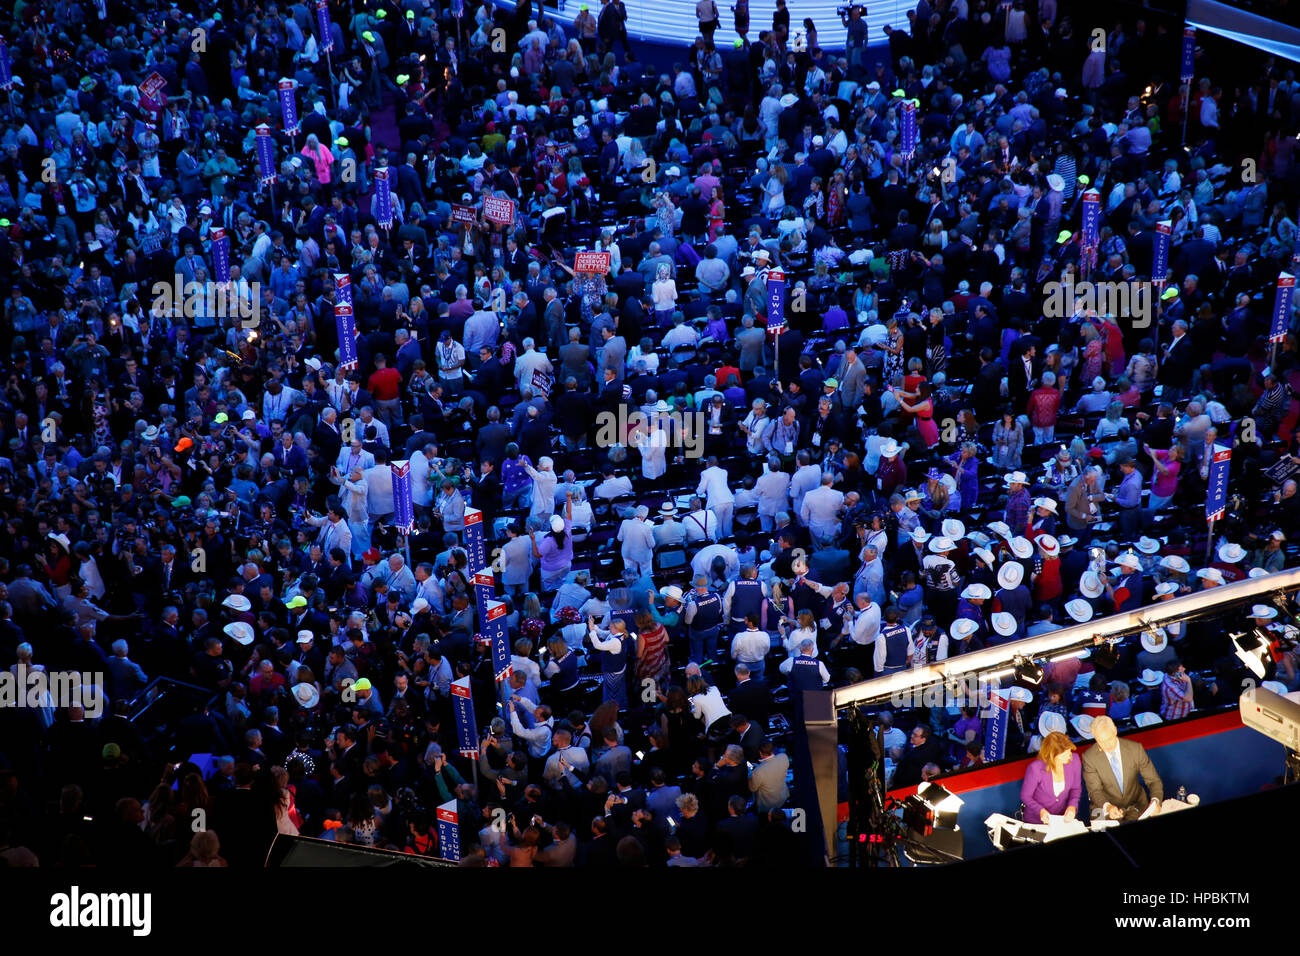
{"x":485,"y":592}
{"x":220,"y":255}
{"x":326,"y":43}
{"x":1216,"y":493}
{"x":1189,"y":54}
{"x":462,"y":705}
{"x":996,"y":718}
{"x":343,"y":288}
{"x":383,"y":198}
{"x":403,"y":508}
{"x":1160,"y":259}
{"x":474,"y":546}
{"x":347,"y":328}
{"x":6,"y":67}
{"x":449,"y":831}
{"x":775,"y":300}
{"x":909,"y":136}
{"x":1282,"y":307}
{"x":1091,"y":219}
{"x":288,"y":106}
{"x":494,"y":629}
{"x":265,"y":154}
{"x":457,"y":8}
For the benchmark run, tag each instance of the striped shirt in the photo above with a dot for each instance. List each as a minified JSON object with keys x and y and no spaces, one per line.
{"x":1175,"y":697}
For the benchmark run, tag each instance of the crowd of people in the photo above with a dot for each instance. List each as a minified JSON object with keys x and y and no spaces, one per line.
{"x":695,"y":508}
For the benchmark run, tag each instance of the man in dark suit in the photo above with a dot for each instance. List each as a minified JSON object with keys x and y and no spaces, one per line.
{"x":1021,"y":375}
{"x":1114,"y":772}
{"x":745,"y":733}
{"x":923,"y":747}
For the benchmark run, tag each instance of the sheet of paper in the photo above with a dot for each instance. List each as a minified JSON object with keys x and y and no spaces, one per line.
{"x":1058,"y":827}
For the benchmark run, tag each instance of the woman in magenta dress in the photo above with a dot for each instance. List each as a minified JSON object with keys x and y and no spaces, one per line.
{"x":1053,"y":783}
{"x":923,"y":410}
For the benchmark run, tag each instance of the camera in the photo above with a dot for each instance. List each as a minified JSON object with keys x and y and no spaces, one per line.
{"x":845,"y":9}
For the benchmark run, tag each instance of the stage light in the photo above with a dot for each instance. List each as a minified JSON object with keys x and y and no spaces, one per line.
{"x":931,"y":808}
{"x":1253,"y":651}
{"x":1028,"y":672}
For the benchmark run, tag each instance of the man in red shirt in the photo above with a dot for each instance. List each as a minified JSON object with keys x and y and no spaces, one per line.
{"x":385,"y":385}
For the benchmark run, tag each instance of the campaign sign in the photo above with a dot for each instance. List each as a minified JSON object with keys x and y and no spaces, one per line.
{"x":494,"y":629}
{"x":1189,"y":55}
{"x":592,"y":262}
{"x":1216,"y":492}
{"x":152,"y":98}
{"x":465,"y":214}
{"x":288,"y":106}
{"x":326,"y":43}
{"x":474,"y":538}
{"x":1160,"y":260}
{"x":499,"y":210}
{"x":383,"y":198}
{"x":1282,"y":307}
{"x":265,"y":154}
{"x":462,"y":704}
{"x":347,"y":328}
{"x":343,"y":288}
{"x":220,"y":255}
{"x":485,"y":592}
{"x":6,"y":67}
{"x":449,"y":831}
{"x":403,"y":510}
{"x":910,"y":136}
{"x":775,"y":300}
{"x":1091,"y":218}
{"x":995,"y":725}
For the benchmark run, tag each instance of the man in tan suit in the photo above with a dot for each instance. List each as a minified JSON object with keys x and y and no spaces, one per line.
{"x":1114,"y":771}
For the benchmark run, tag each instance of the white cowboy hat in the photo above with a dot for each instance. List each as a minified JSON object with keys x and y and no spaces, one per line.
{"x":671,"y":591}
{"x":1156,"y":641}
{"x":1001,"y":529}
{"x":661,"y":406}
{"x":1016,"y":478}
{"x":920,"y":535}
{"x":150,"y":433}
{"x":985,"y":555}
{"x":1129,"y":560}
{"x":1047,"y":504}
{"x":1010,"y":575}
{"x":1021,"y":548}
{"x":306,"y":695}
{"x":1210,"y":574}
{"x":1004,"y":623}
{"x":1263,"y":612}
{"x":1079,"y":609}
{"x":1051,"y":547}
{"x":668,"y":508}
{"x":1147,"y":719}
{"x":1148,"y":545}
{"x":952,"y":528}
{"x":889,"y":449}
{"x":1166,"y":587}
{"x":979,"y":539}
{"x":1082,"y":725}
{"x":1231,"y":553}
{"x":1051,"y":722}
{"x":1256,"y":573}
{"x":1067,"y":541}
{"x":942,"y":545}
{"x":1022,"y":694}
{"x":1173,"y":562}
{"x":1150,"y":677}
{"x":1276,"y":686}
{"x":911,"y":494}
{"x":237,"y":602}
{"x":242,"y":632}
{"x":418,"y":605}
{"x":976,"y":592}
{"x":1055,"y":182}
{"x":789,"y":100}
{"x":963,"y":628}
{"x":1090,"y":585}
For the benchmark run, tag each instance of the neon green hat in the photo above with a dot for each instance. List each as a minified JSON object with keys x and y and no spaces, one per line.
{"x":381,"y":13}
{"x":738,"y":43}
{"x":1084,"y":180}
{"x":1064,"y":236}
{"x":410,"y":14}
{"x":182,"y":501}
{"x":362,"y":684}
{"x":341,"y":141}
{"x":402,"y":79}
{"x":898,"y":93}
{"x":221,"y":418}
{"x":1168,"y":294}
{"x":368,"y":37}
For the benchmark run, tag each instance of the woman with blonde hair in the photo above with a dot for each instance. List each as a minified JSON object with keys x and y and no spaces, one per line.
{"x":1053,"y":783}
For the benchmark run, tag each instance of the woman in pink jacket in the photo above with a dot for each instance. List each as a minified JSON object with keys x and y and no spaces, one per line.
{"x":322,"y":159}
